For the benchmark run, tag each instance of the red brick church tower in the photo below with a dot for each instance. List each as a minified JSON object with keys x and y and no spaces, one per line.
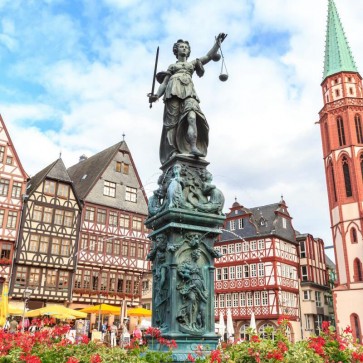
{"x":340,"y":122}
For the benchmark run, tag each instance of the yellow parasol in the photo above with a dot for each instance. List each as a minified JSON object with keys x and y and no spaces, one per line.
{"x":141,"y":312}
{"x":15,"y":311}
{"x":56,"y":310}
{"x":103,"y":309}
{"x":4,"y":304}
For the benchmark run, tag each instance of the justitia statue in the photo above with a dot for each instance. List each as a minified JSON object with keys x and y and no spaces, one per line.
{"x":185,"y":128}
{"x":185,"y":211}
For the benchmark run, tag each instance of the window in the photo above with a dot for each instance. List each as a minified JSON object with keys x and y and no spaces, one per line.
{"x":136,"y":223}
{"x":253,"y":270}
{"x":337,"y":92}
{"x":43,"y":244}
{"x":49,"y":187}
{"x":47,"y":215}
{"x":16,"y":190}
{"x":235,"y":299}
{"x":243,"y":331}
{"x":21,"y":275}
{"x":302,"y":249}
{"x":239,"y":272}
{"x":101,"y":216}
{"x":318,"y":299}
{"x":132,"y":249}
{"x":65,"y":247}
{"x":264,"y":296}
{"x":37,"y":213}
{"x":12,"y":218}
{"x":358,"y":275}
{"x":361,"y":164}
{"x":261,"y":269}
{"x":128,"y":284}
{"x":2,"y":213}
{"x":58,"y":217}
{"x":232,"y":272}
{"x":245,"y":247}
{"x":238,"y":247}
{"x":51,"y":281}
{"x":242,"y":299}
{"x":100,"y":243}
{"x":241,"y":223}
{"x":95,"y":280}
{"x":307,"y":322}
{"x":112,"y":280}
{"x":232,"y":225}
{"x":63,"y":190}
{"x":348,"y":186}
{"x":358,"y":129}
{"x":231,"y":248}
{"x":224,"y":250}
{"x":228,"y":301}
{"x":56,"y":244}
{"x":253,"y":245}
{"x":118,"y":166}
{"x":120,"y":283}
{"x":4,"y":187}
{"x":5,"y":250}
{"x":68,"y":219}
{"x":218,"y":274}
{"x":125,"y":168}
{"x":63,"y":280}
{"x":353,"y":235}
{"x":124,"y":221}
{"x":341,"y":135}
{"x":116,"y":247}
{"x":140,"y":251}
{"x":333,"y":177}
{"x":249,"y":298}
{"x":261,"y":244}
{"x":257,"y":298}
{"x":125,"y":248}
{"x":2,"y":152}
{"x":221,"y":300}
{"x":34,"y":276}
{"x":90,"y":214}
{"x":246,"y":271}
{"x":304,"y":273}
{"x":104,"y":280}
{"x":262,"y":331}
{"x":225,"y":273}
{"x":307,"y":295}
{"x":131,"y":194}
{"x":109,"y":189}
{"x":284,"y":224}
{"x":122,"y":167}
{"x":86,"y":279}
{"x":112,"y":219}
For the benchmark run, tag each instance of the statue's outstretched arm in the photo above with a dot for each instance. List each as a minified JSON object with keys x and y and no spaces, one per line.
{"x":214,"y":49}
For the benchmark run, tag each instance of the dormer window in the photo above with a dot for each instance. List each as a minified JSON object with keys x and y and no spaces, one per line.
{"x":284,"y":224}
{"x":241,"y":223}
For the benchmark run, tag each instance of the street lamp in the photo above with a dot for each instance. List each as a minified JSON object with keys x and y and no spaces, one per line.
{"x":26,"y":295}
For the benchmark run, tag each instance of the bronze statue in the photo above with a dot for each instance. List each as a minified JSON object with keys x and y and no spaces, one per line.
{"x":185,"y":128}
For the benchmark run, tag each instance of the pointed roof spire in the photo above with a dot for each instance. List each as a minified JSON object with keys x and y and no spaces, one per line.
{"x":338,"y":56}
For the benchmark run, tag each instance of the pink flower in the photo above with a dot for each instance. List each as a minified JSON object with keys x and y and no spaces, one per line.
{"x":96,"y":358}
{"x":72,"y":360}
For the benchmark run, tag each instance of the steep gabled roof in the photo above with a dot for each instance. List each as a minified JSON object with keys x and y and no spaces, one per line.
{"x":338,"y":56}
{"x":85,"y":173}
{"x":55,"y":171}
{"x":2,"y":124}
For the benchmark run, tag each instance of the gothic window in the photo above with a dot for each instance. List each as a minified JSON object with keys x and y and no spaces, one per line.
{"x":353,"y":235}
{"x":262,"y":331}
{"x":358,"y":274}
{"x":358,"y":129}
{"x":332,"y":179}
{"x":355,"y":324}
{"x":341,"y":135}
{"x":348,"y":185}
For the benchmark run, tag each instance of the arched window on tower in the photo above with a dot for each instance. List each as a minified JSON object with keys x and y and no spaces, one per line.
{"x":341,"y":134}
{"x":361,"y":164}
{"x":332,"y":178}
{"x":327,"y":139}
{"x":353,"y":235}
{"x":356,"y":332}
{"x":346,"y":173}
{"x":358,"y":129}
{"x":358,"y":275}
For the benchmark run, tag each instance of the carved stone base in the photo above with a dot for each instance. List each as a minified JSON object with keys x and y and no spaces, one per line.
{"x":188,"y":345}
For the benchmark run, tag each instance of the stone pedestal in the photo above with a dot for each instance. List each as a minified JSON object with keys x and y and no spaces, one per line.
{"x":185,"y":214}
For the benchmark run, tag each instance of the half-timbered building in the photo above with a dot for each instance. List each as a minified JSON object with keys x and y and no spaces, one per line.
{"x":46,"y":248}
{"x":113,"y":239}
{"x":258,"y":272}
{"x":315,"y":291}
{"x":13,"y":181}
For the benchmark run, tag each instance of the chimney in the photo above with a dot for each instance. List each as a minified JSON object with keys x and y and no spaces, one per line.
{"x":83,"y":158}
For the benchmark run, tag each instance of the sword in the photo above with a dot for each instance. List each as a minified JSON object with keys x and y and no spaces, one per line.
{"x":154,"y":77}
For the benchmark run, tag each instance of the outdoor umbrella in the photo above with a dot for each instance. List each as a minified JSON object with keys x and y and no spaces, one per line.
{"x":56,"y":310}
{"x":103,"y":309}
{"x":230,"y":329}
{"x":222,"y":326}
{"x":15,"y":311}
{"x":141,"y":312}
{"x":253,"y":321}
{"x":4,"y":304}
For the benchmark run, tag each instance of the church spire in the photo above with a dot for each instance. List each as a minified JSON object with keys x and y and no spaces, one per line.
{"x":338,"y":57}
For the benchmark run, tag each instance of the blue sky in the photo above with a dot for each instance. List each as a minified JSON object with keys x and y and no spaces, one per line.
{"x":74,"y":77}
